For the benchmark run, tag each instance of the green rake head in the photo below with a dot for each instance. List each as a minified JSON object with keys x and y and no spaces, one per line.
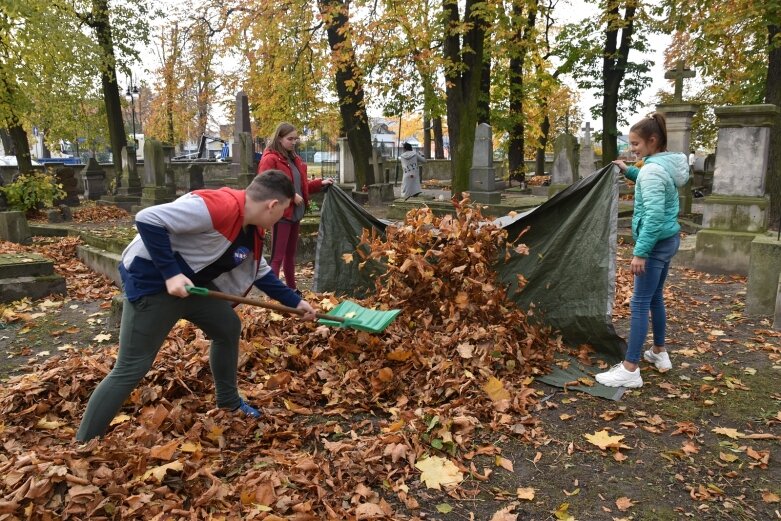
{"x":358,"y":317}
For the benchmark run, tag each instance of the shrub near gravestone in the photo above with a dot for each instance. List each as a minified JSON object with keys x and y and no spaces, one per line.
{"x":32,"y":192}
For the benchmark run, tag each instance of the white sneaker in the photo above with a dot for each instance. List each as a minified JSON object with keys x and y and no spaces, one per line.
{"x":618,"y":376}
{"x":660,"y":360}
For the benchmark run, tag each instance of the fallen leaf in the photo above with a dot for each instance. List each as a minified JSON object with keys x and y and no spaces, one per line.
{"x":159,"y":472}
{"x":526,"y":493}
{"x":436,"y":472}
{"x":624,"y":503}
{"x":730,"y":433}
{"x":604,"y":440}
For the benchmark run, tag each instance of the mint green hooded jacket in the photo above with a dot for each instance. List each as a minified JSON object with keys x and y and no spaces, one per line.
{"x":655,"y":215}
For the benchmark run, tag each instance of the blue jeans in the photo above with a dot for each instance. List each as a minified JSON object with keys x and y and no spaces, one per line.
{"x":648,"y":296}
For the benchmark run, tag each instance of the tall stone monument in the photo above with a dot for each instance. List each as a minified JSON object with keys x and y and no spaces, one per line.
{"x":564,"y":163}
{"x":154,"y":190}
{"x":737,"y":210}
{"x":242,"y":153}
{"x":482,"y":183}
{"x":586,"y":162}
{"x":128,"y":194}
{"x":346,"y":165}
{"x":679,"y":116}
{"x":94,"y":180}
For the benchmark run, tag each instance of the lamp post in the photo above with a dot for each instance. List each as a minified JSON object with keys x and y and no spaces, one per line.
{"x":132,"y":94}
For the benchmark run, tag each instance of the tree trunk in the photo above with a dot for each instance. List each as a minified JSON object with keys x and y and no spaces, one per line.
{"x":5,"y":137}
{"x":613,"y":70}
{"x":349,"y":89}
{"x":426,"y":136}
{"x":484,"y":98}
{"x":101,"y":24}
{"x":21,"y":146}
{"x":773,"y":95}
{"x":462,"y":86}
{"x":516,"y":145}
{"x":539,"y":159}
{"x":439,"y":139}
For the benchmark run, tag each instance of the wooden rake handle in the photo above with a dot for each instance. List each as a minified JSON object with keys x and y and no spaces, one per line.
{"x":194,"y":290}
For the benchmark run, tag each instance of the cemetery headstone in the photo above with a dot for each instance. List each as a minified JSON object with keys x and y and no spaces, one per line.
{"x":737,"y":210}
{"x":679,"y":115}
{"x":194,"y":177}
{"x":243,"y":150}
{"x":66,"y":177}
{"x":14,"y":228}
{"x":482,"y":181}
{"x":154,"y":190}
{"x":94,"y":180}
{"x":346,"y":166}
{"x":586,"y":162}
{"x":131,"y":180}
{"x":28,"y":275}
{"x":564,"y":163}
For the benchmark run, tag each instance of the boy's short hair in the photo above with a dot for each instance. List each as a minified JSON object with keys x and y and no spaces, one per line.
{"x":271,"y":184}
{"x":407,"y":147}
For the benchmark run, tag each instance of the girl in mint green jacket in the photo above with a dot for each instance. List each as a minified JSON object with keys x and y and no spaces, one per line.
{"x":656,"y":233}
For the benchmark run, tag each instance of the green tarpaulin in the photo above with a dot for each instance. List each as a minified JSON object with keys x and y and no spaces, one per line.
{"x":570,"y":267}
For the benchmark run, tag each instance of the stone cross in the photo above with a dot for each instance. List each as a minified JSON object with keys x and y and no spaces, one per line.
{"x":586,"y":133}
{"x":678,"y":74}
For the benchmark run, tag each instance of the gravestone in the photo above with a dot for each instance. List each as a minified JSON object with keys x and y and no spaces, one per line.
{"x":14,"y":228}
{"x":28,"y":275}
{"x":194,"y":177}
{"x":94,"y":180}
{"x":66,"y":177}
{"x":482,"y":183}
{"x":346,"y":166}
{"x":242,"y":153}
{"x":154,"y":190}
{"x":170,"y":177}
{"x":586,"y":160}
{"x":564,"y":166}
{"x":131,"y":180}
{"x":679,"y":117}
{"x":777,"y":316}
{"x":737,"y":210}
{"x":128,"y":194}
{"x":763,"y":273}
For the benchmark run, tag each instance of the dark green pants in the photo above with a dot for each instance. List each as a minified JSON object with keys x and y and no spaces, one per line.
{"x":145,"y":325}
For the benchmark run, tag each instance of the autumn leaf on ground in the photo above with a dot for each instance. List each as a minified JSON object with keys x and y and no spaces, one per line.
{"x":770,"y":497}
{"x":562,"y":513}
{"x":497,"y":393}
{"x":347,"y":258}
{"x":43,"y":423}
{"x":526,"y":493}
{"x":159,"y":472}
{"x":624,"y":503}
{"x":506,"y":513}
{"x":730,"y":433}
{"x":103,"y":337}
{"x":604,"y":440}
{"x":436,"y":472}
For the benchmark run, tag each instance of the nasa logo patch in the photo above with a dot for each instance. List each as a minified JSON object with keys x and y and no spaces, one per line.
{"x":241,"y":253}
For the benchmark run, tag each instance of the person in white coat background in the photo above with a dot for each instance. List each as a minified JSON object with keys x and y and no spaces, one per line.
{"x":410,"y":166}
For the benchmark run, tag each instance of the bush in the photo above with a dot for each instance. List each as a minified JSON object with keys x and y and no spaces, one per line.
{"x":32,"y":192}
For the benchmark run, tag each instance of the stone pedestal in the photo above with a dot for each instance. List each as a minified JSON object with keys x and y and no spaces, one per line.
{"x":380,"y":193}
{"x":14,"y":228}
{"x":66,"y":177}
{"x":94,"y":180}
{"x":130,"y":183}
{"x":737,"y":210}
{"x":679,"y":129}
{"x":155,"y":190}
{"x":28,"y":275}
{"x":564,"y":163}
{"x":346,"y":165}
{"x":194,"y":177}
{"x":777,"y":316}
{"x":482,"y":176}
{"x":763,"y":275}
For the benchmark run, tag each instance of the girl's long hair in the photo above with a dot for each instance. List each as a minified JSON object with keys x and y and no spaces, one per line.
{"x":282,"y":130}
{"x":654,"y":124}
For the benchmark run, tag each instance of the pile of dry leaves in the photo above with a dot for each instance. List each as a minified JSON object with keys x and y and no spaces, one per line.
{"x":346,"y":414}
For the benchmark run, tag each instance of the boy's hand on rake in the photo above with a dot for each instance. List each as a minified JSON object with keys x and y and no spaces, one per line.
{"x":309,"y":310}
{"x":176,"y":285}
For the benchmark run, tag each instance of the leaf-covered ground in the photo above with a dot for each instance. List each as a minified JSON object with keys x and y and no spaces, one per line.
{"x":437,"y":418}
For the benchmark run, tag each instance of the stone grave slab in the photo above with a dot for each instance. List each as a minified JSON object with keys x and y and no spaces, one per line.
{"x":28,"y":275}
